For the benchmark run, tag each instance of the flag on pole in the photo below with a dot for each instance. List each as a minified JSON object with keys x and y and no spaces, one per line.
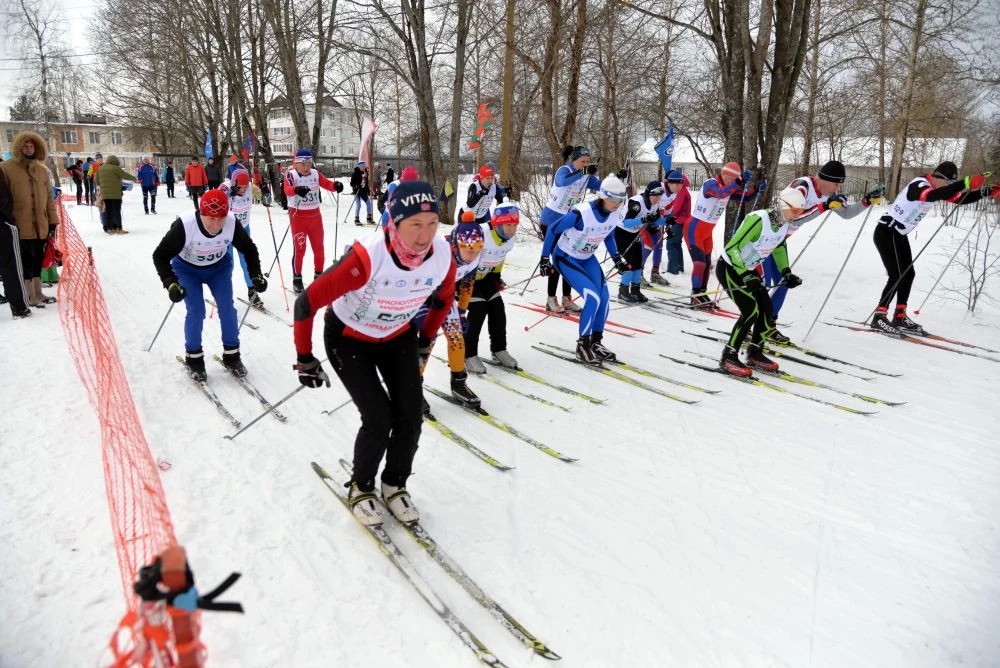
{"x":665,"y":149}
{"x":368,"y":128}
{"x":484,"y":118}
{"x":250,"y":146}
{"x":209,"y":153}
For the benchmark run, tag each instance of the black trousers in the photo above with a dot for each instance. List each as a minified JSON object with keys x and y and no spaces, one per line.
{"x":151,"y":193}
{"x":391,"y":415}
{"x":630,"y":249}
{"x":11,"y":269}
{"x":112,"y":214}
{"x":170,"y":188}
{"x":554,"y":278}
{"x":897,"y":258}
{"x":754,"y":306}
{"x":486,"y":306}
{"x":88,"y":190}
{"x":196,"y":192}
{"x":32,"y":253}
{"x":79,"y":191}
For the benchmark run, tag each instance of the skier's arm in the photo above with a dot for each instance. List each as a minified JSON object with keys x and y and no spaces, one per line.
{"x":611,"y":244}
{"x":325,"y":183}
{"x":593,"y":183}
{"x":570,"y":219}
{"x":632,"y":221}
{"x":244,"y":244}
{"x":170,"y":245}
{"x":748,"y":232}
{"x":350,"y":273}
{"x":950,"y":192}
{"x":780,"y":255}
{"x":501,"y":193}
{"x":475,"y":194}
{"x":440,"y":304}
{"x":566,"y":175}
{"x":289,"y":186}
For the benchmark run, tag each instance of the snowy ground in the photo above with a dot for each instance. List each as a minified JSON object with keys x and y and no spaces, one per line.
{"x":750,"y":529}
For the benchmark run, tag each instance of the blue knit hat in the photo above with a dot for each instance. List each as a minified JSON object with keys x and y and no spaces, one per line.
{"x":303,"y":155}
{"x":675,"y":176}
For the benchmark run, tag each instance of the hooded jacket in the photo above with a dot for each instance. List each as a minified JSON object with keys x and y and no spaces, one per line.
{"x":30,"y":188}
{"x":109,"y":178}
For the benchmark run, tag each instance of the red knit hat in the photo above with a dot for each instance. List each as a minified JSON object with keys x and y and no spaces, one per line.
{"x":214,"y":204}
{"x":409,"y":173}
{"x":241,"y":177}
{"x":732,"y":169}
{"x":486,"y":172}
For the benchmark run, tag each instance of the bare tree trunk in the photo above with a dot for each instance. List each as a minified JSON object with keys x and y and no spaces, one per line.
{"x":902,"y":124}
{"x":464,"y":8}
{"x":286,"y":30}
{"x":508,"y":93}
{"x":810,"y":120}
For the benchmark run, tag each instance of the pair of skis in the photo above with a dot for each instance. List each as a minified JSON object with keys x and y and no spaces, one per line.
{"x":928,"y":340}
{"x":406,"y":568}
{"x":249,"y":387}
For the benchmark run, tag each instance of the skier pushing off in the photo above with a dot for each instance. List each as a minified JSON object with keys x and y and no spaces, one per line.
{"x":761,"y":234}
{"x":195,"y":252}
{"x":572,"y":242}
{"x":241,"y":198}
{"x":302,"y":184}
{"x":374,"y":292}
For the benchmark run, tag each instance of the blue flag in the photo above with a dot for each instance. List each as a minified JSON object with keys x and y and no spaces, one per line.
{"x":665,"y":149}
{"x":209,"y":153}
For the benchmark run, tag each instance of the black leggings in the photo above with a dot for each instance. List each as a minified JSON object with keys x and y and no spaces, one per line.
{"x":479,"y":311}
{"x":391,"y":415}
{"x":113,"y":214}
{"x":894,"y":249}
{"x":754,"y":306}
{"x":629,"y":247}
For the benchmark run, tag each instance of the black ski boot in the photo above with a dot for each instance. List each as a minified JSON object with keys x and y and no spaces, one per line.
{"x":757,"y":360}
{"x":26,"y":313}
{"x":731,"y":364}
{"x":297,"y":286}
{"x":598,"y":348}
{"x":637,"y":294}
{"x":370,"y":221}
{"x":902,"y":322}
{"x":774,"y":337}
{"x":880,"y":323}
{"x":461,"y":391}
{"x":625,"y":295}
{"x":585,"y":351}
{"x":254,"y":298}
{"x":195,"y":362}
{"x":231,"y":360}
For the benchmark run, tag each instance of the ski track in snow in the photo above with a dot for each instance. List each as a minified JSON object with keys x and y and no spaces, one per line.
{"x":750,"y":529}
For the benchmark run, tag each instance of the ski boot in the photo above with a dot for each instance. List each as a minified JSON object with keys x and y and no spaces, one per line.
{"x":254,"y":298}
{"x":552,"y":305}
{"x":461,"y":391}
{"x":475,"y":365}
{"x":357,"y":221}
{"x":231,"y":360}
{"x":503,"y":358}
{"x":880,"y":323}
{"x":297,"y":286}
{"x":902,"y":322}
{"x":195,"y":362}
{"x":657,"y":279}
{"x":637,"y":294}
{"x":570,"y":305}
{"x":731,"y":364}
{"x":363,"y":505}
{"x":757,"y":360}
{"x":398,"y":501}
{"x":625,"y":294}
{"x":599,"y":350}
{"x":643,"y":282}
{"x":585,"y":351}
{"x":370,"y":221}
{"x":26,"y":313}
{"x":776,"y":338}
{"x":700,"y":301}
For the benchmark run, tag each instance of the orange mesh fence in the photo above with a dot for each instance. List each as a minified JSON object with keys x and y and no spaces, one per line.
{"x":140,"y":518}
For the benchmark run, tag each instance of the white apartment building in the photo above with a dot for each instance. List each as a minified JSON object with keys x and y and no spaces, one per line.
{"x":339,"y":135}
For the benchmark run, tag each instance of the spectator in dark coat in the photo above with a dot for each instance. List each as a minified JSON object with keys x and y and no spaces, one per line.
{"x":76,"y":173}
{"x":214,"y":174}
{"x":169,"y":178}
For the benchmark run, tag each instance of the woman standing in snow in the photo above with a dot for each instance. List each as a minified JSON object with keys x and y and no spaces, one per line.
{"x":375,"y":290}
{"x":572,"y":242}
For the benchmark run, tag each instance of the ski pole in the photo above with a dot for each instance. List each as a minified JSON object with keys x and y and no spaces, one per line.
{"x":281,"y":273}
{"x":910,"y":266}
{"x":291,"y":219}
{"x":244,"y":318}
{"x":336,"y":408}
{"x":837,"y":278}
{"x":155,"y":336}
{"x":350,"y":206}
{"x":336,"y":220}
{"x":268,"y":411}
{"x":945,"y":269}
{"x":534,"y":272}
{"x":804,"y":249}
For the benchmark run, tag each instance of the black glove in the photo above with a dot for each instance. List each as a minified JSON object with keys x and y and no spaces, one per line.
{"x":176,"y":292}
{"x":620,"y":264}
{"x":545,"y":267}
{"x":874,"y":197}
{"x":651,"y":217}
{"x":311,"y":374}
{"x":302,"y":191}
{"x":424,"y":346}
{"x":338,"y":186}
{"x":752,"y":282}
{"x":835,"y":201}
{"x":622,"y":174}
{"x":259,"y":283}
{"x":791,"y":280}
{"x":591,"y":169}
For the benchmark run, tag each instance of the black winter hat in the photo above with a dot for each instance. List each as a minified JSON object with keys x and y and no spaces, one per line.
{"x":412,"y":197}
{"x":833,"y":172}
{"x":946,"y":170}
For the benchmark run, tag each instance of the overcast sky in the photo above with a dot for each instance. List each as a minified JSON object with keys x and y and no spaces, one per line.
{"x":74,"y":19}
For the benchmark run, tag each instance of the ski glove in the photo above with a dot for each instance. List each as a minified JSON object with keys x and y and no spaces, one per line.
{"x":259,"y":283}
{"x":545,"y":267}
{"x":874,"y":197}
{"x":836,"y":201}
{"x":975,"y":182}
{"x":311,"y":374}
{"x":791,"y":280}
{"x":176,"y":292}
{"x":747,"y":175}
{"x":424,"y":346}
{"x":620,"y":264}
{"x":762,"y":186}
{"x":622,"y":174}
{"x":302,"y":191}
{"x":752,"y":282}
{"x":338,"y":186}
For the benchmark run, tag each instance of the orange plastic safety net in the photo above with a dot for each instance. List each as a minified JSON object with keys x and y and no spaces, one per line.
{"x":140,"y":518}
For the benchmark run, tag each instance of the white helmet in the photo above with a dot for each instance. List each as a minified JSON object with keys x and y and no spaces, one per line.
{"x":791,"y":198}
{"x":613,"y":188}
